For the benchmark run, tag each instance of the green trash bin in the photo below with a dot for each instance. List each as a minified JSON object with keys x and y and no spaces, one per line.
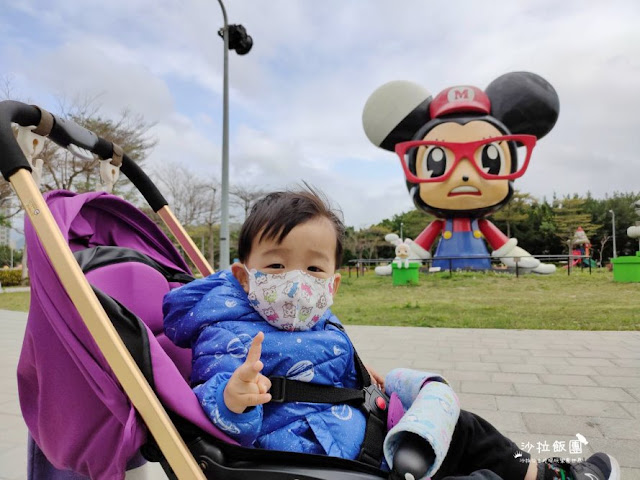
{"x":405,"y":276}
{"x":626,"y":269}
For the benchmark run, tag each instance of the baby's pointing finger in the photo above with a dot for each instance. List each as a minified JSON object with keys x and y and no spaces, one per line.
{"x":252,"y":365}
{"x":255,"y":350}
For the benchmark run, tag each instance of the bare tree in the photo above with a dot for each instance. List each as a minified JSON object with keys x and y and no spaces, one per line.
{"x":193,"y":200}
{"x":9,"y":205}
{"x":6,"y":87}
{"x":211,"y":216}
{"x":603,"y":241}
{"x":62,"y":170}
{"x":183,"y":190}
{"x":364,"y":243}
{"x":246,"y":196}
{"x":66,"y":171}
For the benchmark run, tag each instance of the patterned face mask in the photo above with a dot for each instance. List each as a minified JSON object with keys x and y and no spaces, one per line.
{"x":291,"y":301}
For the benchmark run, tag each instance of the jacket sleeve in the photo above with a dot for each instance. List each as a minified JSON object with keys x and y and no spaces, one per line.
{"x":407,"y":383}
{"x":177,"y":309}
{"x":218,"y":352}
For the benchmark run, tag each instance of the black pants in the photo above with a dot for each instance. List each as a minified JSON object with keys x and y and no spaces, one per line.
{"x":477,"y":445}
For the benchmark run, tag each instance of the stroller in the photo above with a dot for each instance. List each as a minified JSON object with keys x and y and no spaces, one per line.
{"x":99,"y":383}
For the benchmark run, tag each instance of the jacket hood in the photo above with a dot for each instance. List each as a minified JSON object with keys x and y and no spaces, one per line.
{"x":210,"y":300}
{"x":216,"y":298}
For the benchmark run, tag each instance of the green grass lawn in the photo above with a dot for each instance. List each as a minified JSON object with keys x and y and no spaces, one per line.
{"x":478,"y":300}
{"x":492,"y":300}
{"x":17,"y":301}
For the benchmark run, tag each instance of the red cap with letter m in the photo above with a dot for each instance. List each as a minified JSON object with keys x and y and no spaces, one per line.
{"x":463,"y":98}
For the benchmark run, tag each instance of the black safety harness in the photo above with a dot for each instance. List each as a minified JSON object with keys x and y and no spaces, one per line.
{"x":369,"y":398}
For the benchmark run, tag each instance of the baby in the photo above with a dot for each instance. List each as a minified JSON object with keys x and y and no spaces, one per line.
{"x":269,"y":317}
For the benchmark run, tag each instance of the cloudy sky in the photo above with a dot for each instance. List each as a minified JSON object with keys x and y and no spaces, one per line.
{"x":296,"y":99}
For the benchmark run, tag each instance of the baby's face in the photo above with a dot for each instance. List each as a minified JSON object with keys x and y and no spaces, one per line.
{"x":310,"y":247}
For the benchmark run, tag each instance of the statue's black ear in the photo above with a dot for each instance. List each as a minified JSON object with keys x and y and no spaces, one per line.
{"x":524,"y":102}
{"x":395,"y":112}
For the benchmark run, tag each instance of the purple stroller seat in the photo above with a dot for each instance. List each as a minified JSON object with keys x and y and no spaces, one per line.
{"x":80,"y":419}
{"x":72,"y":403}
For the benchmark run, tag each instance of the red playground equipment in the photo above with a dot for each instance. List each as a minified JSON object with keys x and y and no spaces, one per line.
{"x":581,"y":248}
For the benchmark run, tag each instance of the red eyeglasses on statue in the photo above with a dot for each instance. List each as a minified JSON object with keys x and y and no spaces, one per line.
{"x":435,"y":161}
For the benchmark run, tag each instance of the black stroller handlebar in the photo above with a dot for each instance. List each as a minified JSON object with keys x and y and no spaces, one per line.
{"x":65,"y":132}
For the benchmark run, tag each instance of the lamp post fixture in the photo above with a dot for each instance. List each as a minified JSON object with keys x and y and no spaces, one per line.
{"x":613,"y":228}
{"x":235,"y":38}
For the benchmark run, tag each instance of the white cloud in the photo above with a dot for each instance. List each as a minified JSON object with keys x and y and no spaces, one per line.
{"x":92,"y":68}
{"x":259,"y":160}
{"x":180,"y":141}
{"x":297,"y":97}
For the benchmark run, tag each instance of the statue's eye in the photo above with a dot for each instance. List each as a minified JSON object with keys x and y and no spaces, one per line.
{"x":490,"y":158}
{"x":435,"y":161}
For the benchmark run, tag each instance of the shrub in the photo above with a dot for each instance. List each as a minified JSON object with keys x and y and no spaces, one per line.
{"x":10,"y":278}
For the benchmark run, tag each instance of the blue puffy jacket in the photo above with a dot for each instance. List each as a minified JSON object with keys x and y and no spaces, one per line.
{"x":213,"y":317}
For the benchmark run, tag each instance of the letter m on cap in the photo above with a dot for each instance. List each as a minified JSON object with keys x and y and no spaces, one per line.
{"x":462,"y":98}
{"x":457,"y":94}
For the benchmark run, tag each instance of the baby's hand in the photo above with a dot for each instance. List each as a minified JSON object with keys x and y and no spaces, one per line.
{"x":247,"y":387}
{"x":376,"y":379}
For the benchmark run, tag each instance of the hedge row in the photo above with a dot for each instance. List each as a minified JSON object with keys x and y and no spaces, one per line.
{"x":10,"y":278}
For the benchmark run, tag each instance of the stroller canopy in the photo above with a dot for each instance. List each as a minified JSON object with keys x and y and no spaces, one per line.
{"x":72,"y":403}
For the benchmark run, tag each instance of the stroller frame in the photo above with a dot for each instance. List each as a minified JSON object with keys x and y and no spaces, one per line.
{"x":16,"y":170}
{"x":229,"y":461}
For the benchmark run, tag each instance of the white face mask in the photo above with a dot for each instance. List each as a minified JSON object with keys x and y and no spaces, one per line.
{"x":291,"y":301}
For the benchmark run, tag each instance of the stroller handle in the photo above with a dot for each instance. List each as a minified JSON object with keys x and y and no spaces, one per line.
{"x":65,"y":132}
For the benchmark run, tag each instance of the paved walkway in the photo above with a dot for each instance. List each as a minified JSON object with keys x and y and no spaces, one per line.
{"x":538,"y":387}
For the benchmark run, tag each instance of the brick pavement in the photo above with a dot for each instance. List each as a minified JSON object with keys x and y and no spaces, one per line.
{"x":538,"y":387}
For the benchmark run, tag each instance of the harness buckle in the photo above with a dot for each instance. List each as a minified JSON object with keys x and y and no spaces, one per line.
{"x":277,"y":389}
{"x":376,"y":402}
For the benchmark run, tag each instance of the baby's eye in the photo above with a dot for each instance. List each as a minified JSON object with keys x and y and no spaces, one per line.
{"x":314,"y":269}
{"x":276,"y":266}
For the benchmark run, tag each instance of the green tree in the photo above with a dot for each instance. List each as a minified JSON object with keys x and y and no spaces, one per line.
{"x":548,"y":242}
{"x":535,"y":231}
{"x":600,"y":209}
{"x":570,"y":213}
{"x":7,"y":256}
{"x":411,"y":223}
{"x":516,"y":211}
{"x":366,"y":243}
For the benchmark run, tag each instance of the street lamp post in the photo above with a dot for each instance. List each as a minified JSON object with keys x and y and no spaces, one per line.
{"x":613,"y":228}
{"x":236,"y":38}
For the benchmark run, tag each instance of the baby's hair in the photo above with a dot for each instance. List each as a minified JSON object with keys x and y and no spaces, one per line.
{"x":276,"y":214}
